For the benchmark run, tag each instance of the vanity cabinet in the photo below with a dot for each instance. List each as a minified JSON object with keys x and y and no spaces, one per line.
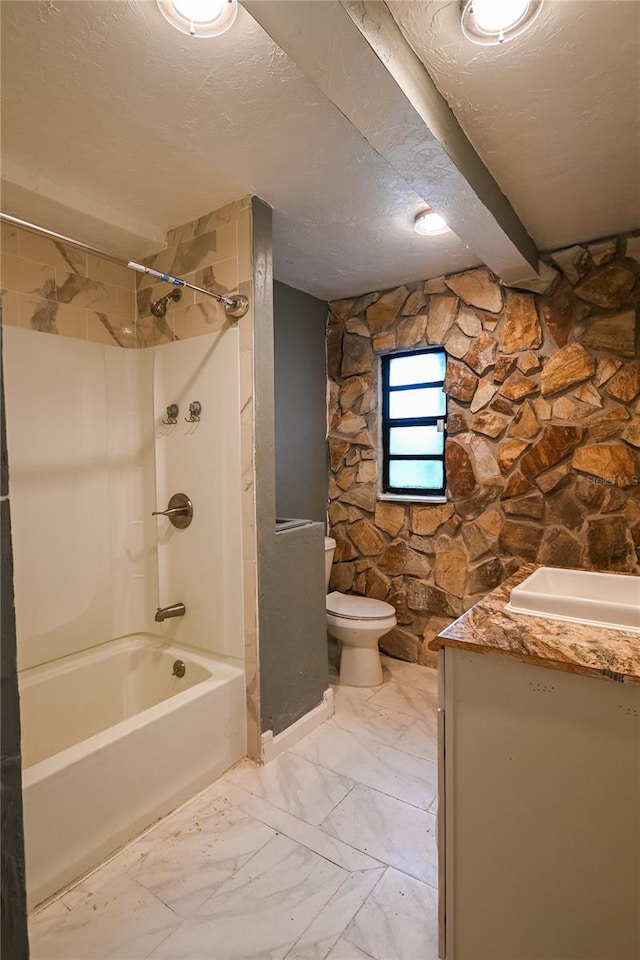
{"x":539,"y":812}
{"x":539,"y":803}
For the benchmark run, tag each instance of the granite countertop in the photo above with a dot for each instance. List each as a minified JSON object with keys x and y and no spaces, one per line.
{"x":574,"y":647}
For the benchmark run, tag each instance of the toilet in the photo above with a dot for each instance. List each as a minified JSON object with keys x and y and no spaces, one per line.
{"x":358,"y":623}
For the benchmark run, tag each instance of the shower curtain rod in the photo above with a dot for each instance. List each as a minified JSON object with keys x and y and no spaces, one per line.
{"x":235,"y":307}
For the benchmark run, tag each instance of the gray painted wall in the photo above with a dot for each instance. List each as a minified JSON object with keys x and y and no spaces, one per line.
{"x":294,"y":668}
{"x":14,"y":943}
{"x":300,"y":322}
{"x":292,"y":644}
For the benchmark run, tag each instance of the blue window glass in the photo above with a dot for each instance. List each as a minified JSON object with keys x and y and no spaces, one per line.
{"x":414,"y":411}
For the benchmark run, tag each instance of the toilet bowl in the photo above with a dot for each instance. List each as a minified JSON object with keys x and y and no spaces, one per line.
{"x":358,"y":623}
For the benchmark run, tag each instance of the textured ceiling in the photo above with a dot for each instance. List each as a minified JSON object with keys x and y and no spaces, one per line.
{"x":109,"y":108}
{"x":555,"y":114}
{"x":112,"y":117}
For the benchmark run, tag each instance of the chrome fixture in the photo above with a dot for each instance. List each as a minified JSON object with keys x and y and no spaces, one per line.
{"x":172,"y":414}
{"x":235,"y":307}
{"x":179,"y":669}
{"x":165,"y":613}
{"x":159,"y":307}
{"x":179,"y":511}
{"x":195,"y":409}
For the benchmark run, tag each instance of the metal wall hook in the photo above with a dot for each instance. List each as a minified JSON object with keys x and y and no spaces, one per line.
{"x":172,"y":414}
{"x":195,"y":409}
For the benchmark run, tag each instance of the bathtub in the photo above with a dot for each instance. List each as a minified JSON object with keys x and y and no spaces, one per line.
{"x":111,"y":741}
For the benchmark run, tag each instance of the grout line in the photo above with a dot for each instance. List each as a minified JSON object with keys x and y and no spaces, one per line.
{"x":164,"y":939}
{"x":393,"y":746}
{"x":140,"y":836}
{"x":362,"y":784}
{"x":366,"y":739}
{"x":220,"y":888}
{"x":314,"y":826}
{"x":361,"y":907}
{"x":326,"y":905}
{"x":347,"y":794}
{"x":414,"y":756}
{"x":150,"y":893}
{"x":367,"y":704}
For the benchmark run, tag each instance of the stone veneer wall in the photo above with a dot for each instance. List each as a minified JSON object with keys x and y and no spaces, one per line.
{"x":543,"y":435}
{"x":56,"y":289}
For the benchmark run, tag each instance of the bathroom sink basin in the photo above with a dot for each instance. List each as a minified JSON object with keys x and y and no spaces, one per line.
{"x":283,"y":523}
{"x":600,"y":599}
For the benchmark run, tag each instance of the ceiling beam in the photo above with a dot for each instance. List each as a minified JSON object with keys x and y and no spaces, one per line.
{"x":356,"y":55}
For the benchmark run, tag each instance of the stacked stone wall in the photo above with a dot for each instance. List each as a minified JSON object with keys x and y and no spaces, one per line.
{"x":542,"y":443}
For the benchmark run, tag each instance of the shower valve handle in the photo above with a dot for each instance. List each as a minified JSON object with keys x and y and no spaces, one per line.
{"x":179,"y":511}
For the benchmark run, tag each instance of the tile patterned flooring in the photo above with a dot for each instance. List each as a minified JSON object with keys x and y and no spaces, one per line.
{"x":328,"y":853}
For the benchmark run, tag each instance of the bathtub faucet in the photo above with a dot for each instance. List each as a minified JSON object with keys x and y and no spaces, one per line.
{"x":164,"y":613}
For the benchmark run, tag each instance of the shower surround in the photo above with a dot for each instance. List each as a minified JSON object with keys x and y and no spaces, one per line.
{"x":90,"y":460}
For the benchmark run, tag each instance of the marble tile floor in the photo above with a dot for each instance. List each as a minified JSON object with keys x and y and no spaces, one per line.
{"x":327,"y":853}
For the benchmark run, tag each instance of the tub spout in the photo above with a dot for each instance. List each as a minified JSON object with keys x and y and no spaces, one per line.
{"x":175,"y":610}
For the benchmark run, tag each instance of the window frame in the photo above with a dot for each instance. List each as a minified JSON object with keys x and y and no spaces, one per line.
{"x":387,"y":423}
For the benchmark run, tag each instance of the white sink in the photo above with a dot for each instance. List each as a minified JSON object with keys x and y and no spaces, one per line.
{"x":600,"y":599}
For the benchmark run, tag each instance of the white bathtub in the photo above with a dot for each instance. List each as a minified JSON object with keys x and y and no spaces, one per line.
{"x":111,"y":741}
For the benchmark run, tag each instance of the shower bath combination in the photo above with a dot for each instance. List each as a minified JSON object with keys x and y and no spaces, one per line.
{"x":126,"y":707}
{"x":159,"y":307}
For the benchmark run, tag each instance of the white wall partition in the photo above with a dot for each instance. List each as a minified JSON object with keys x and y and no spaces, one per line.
{"x":131,"y":452}
{"x":202,"y":565}
{"x":91,"y":563}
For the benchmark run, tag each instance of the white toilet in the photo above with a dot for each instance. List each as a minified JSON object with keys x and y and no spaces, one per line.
{"x":358,"y":622}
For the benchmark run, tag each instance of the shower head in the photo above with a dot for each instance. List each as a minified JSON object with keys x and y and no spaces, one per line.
{"x":159,"y":307}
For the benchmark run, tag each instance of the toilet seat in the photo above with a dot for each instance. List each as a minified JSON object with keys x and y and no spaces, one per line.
{"x":349,"y":607}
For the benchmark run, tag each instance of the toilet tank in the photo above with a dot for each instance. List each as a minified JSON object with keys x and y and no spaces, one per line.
{"x":329,"y":548}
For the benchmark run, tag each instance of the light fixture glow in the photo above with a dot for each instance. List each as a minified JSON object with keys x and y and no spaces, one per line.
{"x":429,"y":224}
{"x":493,"y":16}
{"x":199,"y":11}
{"x":200,"y":18}
{"x":489,"y":22}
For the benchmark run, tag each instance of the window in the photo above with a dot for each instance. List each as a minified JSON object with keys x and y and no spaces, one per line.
{"x":414,"y":410}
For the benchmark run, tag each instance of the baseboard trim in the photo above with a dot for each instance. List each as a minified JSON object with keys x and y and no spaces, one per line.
{"x":271,"y":747}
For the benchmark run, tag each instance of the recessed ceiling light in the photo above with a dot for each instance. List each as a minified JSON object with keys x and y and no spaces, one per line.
{"x":489,"y":22}
{"x":429,"y":224}
{"x":200,"y":18}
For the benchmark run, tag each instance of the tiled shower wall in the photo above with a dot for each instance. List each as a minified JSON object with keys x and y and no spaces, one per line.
{"x":213,"y":252}
{"x":54,"y":288}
